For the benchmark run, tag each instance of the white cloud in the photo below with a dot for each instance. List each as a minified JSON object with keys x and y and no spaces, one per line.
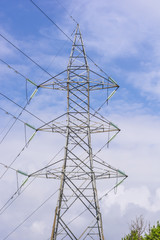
{"x":117,"y":28}
{"x":122,"y":30}
{"x":38,"y":228}
{"x":148,"y":82}
{"x":139,"y":196}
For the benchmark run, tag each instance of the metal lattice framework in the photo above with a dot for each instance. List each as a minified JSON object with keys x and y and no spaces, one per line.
{"x":77,"y":214}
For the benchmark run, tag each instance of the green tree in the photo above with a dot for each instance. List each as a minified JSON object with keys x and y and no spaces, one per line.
{"x":133,"y":235}
{"x":154,"y":233}
{"x":138,"y":228}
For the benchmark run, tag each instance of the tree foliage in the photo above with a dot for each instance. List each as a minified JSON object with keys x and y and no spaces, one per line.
{"x":139,"y":226}
{"x":132,"y":236}
{"x":138,"y":231}
{"x":154,"y":233}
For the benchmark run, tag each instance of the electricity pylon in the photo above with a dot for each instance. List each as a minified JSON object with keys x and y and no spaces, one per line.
{"x":77,"y":214}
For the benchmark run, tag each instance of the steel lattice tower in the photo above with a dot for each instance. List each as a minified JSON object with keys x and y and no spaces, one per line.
{"x":78,"y":202}
{"x":78,"y":174}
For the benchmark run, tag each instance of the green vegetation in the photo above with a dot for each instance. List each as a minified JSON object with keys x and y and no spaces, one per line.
{"x":132,"y":236}
{"x":138,"y":231}
{"x":154,"y":233}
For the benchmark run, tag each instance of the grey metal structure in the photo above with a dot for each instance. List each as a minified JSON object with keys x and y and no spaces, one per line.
{"x":77,"y":214}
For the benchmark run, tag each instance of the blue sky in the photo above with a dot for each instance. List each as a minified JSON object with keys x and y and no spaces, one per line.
{"x":122,"y":37}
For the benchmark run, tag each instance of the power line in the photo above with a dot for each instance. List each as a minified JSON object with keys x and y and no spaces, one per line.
{"x":34,"y":61}
{"x":51,"y":20}
{"x":22,"y":75}
{"x":16,"y":71}
{"x":23,"y":108}
{"x":4,"y":165}
{"x":13,"y":122}
{"x":10,"y":114}
{"x":16,"y":118}
{"x":5,"y":206}
{"x":26,"y":55}
{"x":73,"y":19}
{"x":30,"y":60}
{"x":57,"y":190}
{"x":18,"y":155}
{"x":30,"y":215}
{"x":66,"y":35}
